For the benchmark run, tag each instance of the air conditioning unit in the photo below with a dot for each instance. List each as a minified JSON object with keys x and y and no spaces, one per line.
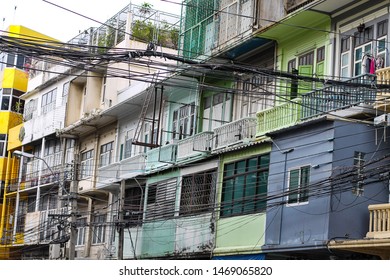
{"x":382,"y":120}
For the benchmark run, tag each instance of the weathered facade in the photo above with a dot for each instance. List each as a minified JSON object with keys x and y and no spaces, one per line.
{"x":260,"y":134}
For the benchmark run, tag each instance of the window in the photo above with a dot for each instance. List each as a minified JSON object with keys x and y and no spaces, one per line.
{"x":216,"y":110}
{"x":133,"y":206}
{"x":321,"y":54}
{"x":81,"y":225}
{"x":48,"y":201}
{"x":345,"y":58}
{"x":106,"y":151}
{"x":358,"y":177}
{"x":298,"y":186}
{"x":197,"y":193}
{"x":3,"y":145}
{"x":128,"y":147}
{"x":255,"y":95}
{"x":360,"y":56}
{"x":366,"y":36}
{"x":244,"y":187}
{"x":86,"y":167}
{"x":184,"y":121}
{"x":21,"y":219}
{"x":30,"y":109}
{"x":161,"y":200}
{"x":291,"y":65}
{"x":65,"y":92}
{"x":99,"y":229}
{"x":52,"y":153}
{"x":31,"y":200}
{"x":48,"y":100}
{"x":381,"y":42}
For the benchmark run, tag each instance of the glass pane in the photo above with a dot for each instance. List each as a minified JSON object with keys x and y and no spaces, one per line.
{"x":344,"y":59}
{"x":252,"y":164}
{"x":358,"y":68}
{"x":229,"y":170}
{"x":5,"y":103}
{"x":293,"y":186}
{"x":241,"y":167}
{"x":250,"y":193}
{"x":381,"y":45}
{"x":367,"y":49}
{"x":264,"y":161}
{"x":261,"y":201}
{"x":358,"y":54}
{"x":305,"y":176}
{"x":238,"y":195}
{"x":227,"y":197}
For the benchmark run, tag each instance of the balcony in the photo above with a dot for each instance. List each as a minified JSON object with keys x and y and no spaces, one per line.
{"x":161,"y":157}
{"x":382,"y":102}
{"x":107,"y":175}
{"x":234,"y":134}
{"x":195,"y":147}
{"x":280,"y":116}
{"x":132,"y":166}
{"x":379,"y":226}
{"x":331,"y":98}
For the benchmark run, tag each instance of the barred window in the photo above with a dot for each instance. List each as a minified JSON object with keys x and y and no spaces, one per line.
{"x":161,"y":200}
{"x":133,"y":206}
{"x":197,"y":193}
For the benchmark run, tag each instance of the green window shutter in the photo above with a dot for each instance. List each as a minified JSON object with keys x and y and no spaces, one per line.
{"x":305,"y":70}
{"x":320,"y":71}
{"x":293,"y":186}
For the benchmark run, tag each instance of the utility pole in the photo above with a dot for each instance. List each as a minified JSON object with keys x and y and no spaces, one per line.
{"x":73,"y":211}
{"x":121,"y":237}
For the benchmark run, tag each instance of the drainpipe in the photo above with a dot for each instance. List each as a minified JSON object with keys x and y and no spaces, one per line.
{"x":285,"y":152}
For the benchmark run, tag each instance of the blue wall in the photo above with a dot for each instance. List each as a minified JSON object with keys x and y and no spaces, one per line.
{"x":328,"y":147}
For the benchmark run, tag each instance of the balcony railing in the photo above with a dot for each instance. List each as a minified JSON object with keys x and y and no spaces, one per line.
{"x":278,"y":117}
{"x":132,"y":166}
{"x":108,"y":174}
{"x":195,"y":146}
{"x":234,"y":133}
{"x":331,"y":98}
{"x":379,"y":226}
{"x":161,"y":157}
{"x":383,"y":95}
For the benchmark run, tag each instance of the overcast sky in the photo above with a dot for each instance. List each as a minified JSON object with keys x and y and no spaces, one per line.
{"x":64,"y":25}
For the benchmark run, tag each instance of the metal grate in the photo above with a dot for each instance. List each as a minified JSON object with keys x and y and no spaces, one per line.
{"x":197,"y":193}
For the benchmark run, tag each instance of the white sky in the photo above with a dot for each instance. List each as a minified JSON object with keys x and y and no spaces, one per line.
{"x":63,"y":25}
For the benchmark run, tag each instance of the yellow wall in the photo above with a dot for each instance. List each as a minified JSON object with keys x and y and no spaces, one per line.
{"x":9,"y":120}
{"x":13,"y":137}
{"x":14,"y":78}
{"x":18,"y":31}
{"x":3,"y":168}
